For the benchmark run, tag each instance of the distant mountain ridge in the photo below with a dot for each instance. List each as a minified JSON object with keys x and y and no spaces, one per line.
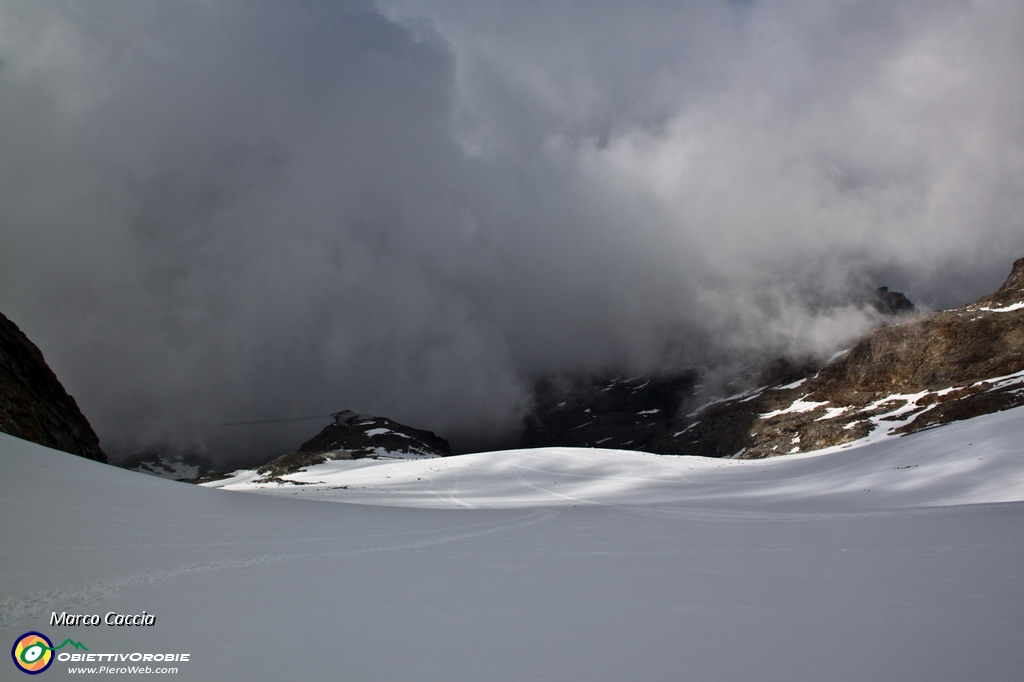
{"x":622,"y":413}
{"x":363,"y":435}
{"x":33,"y":403}
{"x":905,"y":377}
{"x":350,"y":436}
{"x":917,"y":372}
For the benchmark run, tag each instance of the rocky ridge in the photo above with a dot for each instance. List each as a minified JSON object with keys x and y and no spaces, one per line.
{"x":176,"y":466}
{"x":623,"y":413}
{"x":350,"y":436}
{"x":916,"y":372}
{"x":33,"y":403}
{"x":905,"y":377}
{"x":356,"y":436}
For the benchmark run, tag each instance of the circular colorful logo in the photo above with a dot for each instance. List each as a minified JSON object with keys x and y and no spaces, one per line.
{"x":32,"y":653}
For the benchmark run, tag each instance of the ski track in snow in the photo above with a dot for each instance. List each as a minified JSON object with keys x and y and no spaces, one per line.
{"x":38,"y":604}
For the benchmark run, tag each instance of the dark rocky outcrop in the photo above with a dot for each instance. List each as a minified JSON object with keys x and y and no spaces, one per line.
{"x":165,"y":463}
{"x":356,"y":436}
{"x":606,"y":412}
{"x":368,"y":436}
{"x":34,"y":404}
{"x":892,"y":302}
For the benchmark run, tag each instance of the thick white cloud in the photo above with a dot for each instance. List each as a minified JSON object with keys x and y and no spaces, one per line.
{"x":217,"y":211}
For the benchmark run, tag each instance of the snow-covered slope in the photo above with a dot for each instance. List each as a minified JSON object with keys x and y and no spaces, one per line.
{"x":590,"y":565}
{"x":981,"y":460}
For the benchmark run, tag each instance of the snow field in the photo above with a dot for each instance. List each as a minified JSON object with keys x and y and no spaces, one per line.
{"x":575,"y":565}
{"x":977,"y":461}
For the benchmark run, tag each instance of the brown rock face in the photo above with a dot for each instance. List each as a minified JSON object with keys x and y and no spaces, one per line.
{"x":941,"y":350}
{"x":34,"y":404}
{"x":1012,"y":290}
{"x":918,"y":372}
{"x":979,"y":341}
{"x":949,"y":365}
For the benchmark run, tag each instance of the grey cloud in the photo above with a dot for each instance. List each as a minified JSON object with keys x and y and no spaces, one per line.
{"x":224,"y":211}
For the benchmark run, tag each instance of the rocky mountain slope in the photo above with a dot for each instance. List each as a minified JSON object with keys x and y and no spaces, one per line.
{"x":942,"y":367}
{"x":606,"y":412}
{"x":357,"y":436}
{"x":351,"y":436}
{"x":165,"y":463}
{"x":916,"y":372}
{"x":909,"y":375}
{"x":33,"y":403}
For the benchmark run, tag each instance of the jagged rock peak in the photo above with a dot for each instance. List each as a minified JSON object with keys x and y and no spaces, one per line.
{"x":892,"y":302}
{"x":1016,"y":279}
{"x":1012,"y":290}
{"x":34,"y":404}
{"x":363,"y":435}
{"x":356,"y":436}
